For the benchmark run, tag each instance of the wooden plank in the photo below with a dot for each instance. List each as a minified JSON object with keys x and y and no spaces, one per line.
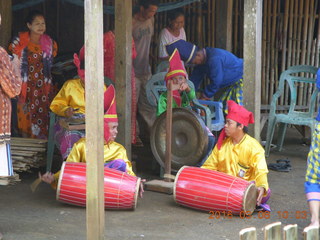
{"x":123,"y":65}
{"x":290,"y":232}
{"x":285,"y":36}
{"x":273,"y":231}
{"x":6,"y":22}
{"x":311,"y":233}
{"x":272,"y":47}
{"x":224,"y":28}
{"x":199,"y":24}
{"x":32,"y":140}
{"x":264,"y":80}
{"x":229,"y":26}
{"x":248,"y":234}
{"x":268,"y":49}
{"x":252,"y":59}
{"x":284,"y":98}
{"x":236,"y":28}
{"x":159,"y":186}
{"x":94,"y":118}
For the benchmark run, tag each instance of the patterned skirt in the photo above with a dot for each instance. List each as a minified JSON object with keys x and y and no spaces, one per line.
{"x":312,"y":184}
{"x":233,"y":92}
{"x":66,"y":138}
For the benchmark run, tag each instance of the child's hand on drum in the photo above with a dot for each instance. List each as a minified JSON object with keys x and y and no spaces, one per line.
{"x":141,"y":190}
{"x":261,"y":192}
{"x":48,"y":177}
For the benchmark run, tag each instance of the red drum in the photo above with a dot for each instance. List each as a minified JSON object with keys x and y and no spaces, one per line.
{"x":209,"y":190}
{"x":120,"y":189}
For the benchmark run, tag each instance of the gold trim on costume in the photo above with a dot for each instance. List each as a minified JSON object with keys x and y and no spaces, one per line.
{"x":110,"y":116}
{"x":191,"y":54}
{"x":174,"y":72}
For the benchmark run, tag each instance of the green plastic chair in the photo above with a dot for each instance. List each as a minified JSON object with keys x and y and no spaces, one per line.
{"x":51,"y":142}
{"x":162,"y":67}
{"x":294,"y":77}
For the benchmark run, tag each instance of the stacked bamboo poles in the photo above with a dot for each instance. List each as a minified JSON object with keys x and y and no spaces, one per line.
{"x":27,"y":153}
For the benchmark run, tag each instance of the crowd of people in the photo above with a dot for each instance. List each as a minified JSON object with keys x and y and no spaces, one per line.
{"x":28,"y":76}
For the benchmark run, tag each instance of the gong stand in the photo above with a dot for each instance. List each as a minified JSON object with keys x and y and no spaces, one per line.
{"x":168,"y":155}
{"x":166,"y":185}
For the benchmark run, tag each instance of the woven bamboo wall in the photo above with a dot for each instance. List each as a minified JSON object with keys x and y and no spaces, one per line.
{"x":290,"y":35}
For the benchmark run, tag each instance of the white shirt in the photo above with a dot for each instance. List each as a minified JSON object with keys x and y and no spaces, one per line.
{"x":165,"y":38}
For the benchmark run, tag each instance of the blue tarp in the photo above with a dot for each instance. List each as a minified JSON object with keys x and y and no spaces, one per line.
{"x":106,"y":9}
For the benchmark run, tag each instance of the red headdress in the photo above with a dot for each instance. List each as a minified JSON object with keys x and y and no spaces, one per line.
{"x":110,"y":110}
{"x":176,"y":68}
{"x":77,"y":61}
{"x":236,"y":113}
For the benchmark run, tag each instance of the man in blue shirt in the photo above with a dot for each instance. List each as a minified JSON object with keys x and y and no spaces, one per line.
{"x":224,"y":70}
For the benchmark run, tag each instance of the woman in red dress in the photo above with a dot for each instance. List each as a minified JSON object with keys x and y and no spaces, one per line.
{"x":36,"y":51}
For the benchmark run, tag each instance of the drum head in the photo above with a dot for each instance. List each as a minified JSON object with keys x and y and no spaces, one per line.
{"x":189,"y":138}
{"x":250,"y":198}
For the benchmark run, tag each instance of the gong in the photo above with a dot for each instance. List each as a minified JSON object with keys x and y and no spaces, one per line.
{"x":189,"y":138}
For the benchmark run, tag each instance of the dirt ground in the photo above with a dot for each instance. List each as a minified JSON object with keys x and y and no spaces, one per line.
{"x":38,"y":216}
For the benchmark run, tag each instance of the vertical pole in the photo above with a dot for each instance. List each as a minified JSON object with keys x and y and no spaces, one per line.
{"x":94,"y":118}
{"x":6,"y":22}
{"x":123,"y":64}
{"x":252,"y":60}
{"x":223,"y":30}
{"x":167,"y":163}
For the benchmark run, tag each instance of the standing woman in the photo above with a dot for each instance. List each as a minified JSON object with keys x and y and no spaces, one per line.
{"x":172,"y":32}
{"x":10,"y":86}
{"x":109,"y":49}
{"x":36,"y":51}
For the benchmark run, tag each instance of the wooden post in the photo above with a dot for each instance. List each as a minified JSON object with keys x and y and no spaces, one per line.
{"x":273,"y":231}
{"x":252,"y":60}
{"x":6,"y":22}
{"x":311,"y":233}
{"x":248,"y":234}
{"x":167,"y":162}
{"x":223,"y":30}
{"x":290,"y":232}
{"x":123,"y":63}
{"x":94,"y":118}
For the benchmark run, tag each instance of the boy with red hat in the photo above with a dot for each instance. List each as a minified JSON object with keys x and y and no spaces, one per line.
{"x":239,"y":154}
{"x":182,"y":93}
{"x":115,"y":155}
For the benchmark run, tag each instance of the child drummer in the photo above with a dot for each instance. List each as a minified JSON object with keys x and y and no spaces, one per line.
{"x":239,"y":154}
{"x":182,"y":93}
{"x":115,"y":155}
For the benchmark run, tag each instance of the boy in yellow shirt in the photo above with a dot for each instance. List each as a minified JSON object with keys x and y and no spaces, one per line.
{"x":239,"y":154}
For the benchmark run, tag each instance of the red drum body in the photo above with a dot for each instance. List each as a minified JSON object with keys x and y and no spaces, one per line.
{"x":209,"y":190}
{"x":120,"y":189}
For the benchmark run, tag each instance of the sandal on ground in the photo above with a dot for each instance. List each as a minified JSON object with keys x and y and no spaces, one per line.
{"x":279,"y":167}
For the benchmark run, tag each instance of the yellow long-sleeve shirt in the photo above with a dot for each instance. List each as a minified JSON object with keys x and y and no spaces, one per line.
{"x":112,"y":151}
{"x":71,"y":95}
{"x":245,"y":159}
